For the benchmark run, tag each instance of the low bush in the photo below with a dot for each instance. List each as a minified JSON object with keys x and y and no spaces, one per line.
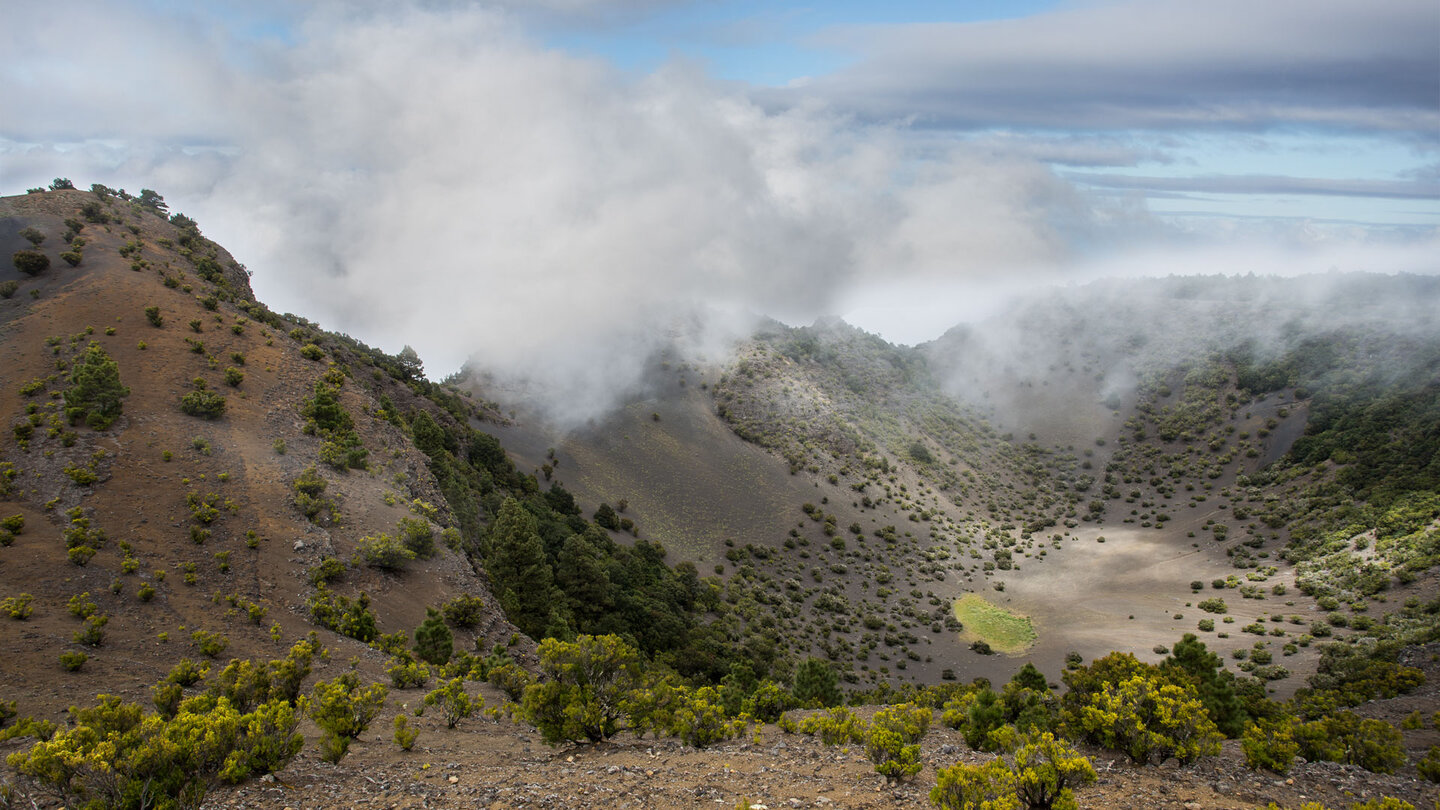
{"x":343,"y":709}
{"x":30,"y":262}
{"x":454,"y":704}
{"x":384,"y":552}
{"x":118,"y":756}
{"x":204,"y":404}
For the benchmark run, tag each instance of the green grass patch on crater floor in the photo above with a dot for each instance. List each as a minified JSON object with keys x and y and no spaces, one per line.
{"x":1004,"y":631}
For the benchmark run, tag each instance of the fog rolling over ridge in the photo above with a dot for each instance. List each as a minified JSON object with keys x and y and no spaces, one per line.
{"x":543,"y":190}
{"x":1063,"y":361}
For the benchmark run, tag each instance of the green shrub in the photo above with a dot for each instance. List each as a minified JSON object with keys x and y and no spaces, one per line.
{"x":509,"y":677}
{"x":1346,"y":737}
{"x":234,"y":376}
{"x":347,"y":617}
{"x":152,"y":314}
{"x":72,"y":257}
{"x":893,"y":742}
{"x":1045,"y":774}
{"x":418,"y":536}
{"x":13,"y":523}
{"x":19,"y":607}
{"x":1429,"y":765}
{"x":205,"y":404}
{"x":30,"y":262}
{"x":588,"y":678}
{"x":384,"y":552}
{"x":72,"y":660}
{"x":9,"y":288}
{"x":1213,"y":605}
{"x":453,"y":702}
{"x":464,"y":611}
{"x":816,"y":684}
{"x":404,"y":734}
{"x":118,"y":756}
{"x":312,"y":352}
{"x":210,"y":644}
{"x":1270,"y":744}
{"x":92,"y":633}
{"x":326,"y":571}
{"x":698,"y":718}
{"x":81,"y":607}
{"x":1148,"y":719}
{"x":406,"y":673}
{"x":343,"y":709}
{"x":838,"y":726}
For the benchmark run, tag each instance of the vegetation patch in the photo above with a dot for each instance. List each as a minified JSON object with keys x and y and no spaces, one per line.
{"x":1004,"y":631}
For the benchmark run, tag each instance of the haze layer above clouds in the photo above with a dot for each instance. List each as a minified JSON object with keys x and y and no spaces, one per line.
{"x":441,"y":174}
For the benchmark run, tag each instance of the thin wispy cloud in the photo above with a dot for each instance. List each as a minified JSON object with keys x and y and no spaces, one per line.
{"x":1156,"y":64}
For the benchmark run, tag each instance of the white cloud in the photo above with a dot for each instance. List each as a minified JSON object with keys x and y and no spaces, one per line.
{"x":431,"y":175}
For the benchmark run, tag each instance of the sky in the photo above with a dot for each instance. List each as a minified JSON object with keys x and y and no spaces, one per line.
{"x":546,"y":185}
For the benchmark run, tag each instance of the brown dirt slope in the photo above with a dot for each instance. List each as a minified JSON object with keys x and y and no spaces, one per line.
{"x":154,"y":459}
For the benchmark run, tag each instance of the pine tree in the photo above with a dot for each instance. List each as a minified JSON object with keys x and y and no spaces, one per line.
{"x":816,"y":684}
{"x":95,"y":390}
{"x":433,"y":642}
{"x":519,"y":571}
{"x":580,"y":573}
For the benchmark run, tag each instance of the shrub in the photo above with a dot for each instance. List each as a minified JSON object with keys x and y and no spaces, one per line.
{"x":81,"y":607}
{"x":152,"y":314}
{"x":893,"y":743}
{"x":838,"y":726}
{"x":1045,"y":774}
{"x":509,"y":677}
{"x":699,"y":718}
{"x":406,"y":673}
{"x":418,"y":536}
{"x":9,"y":288}
{"x":312,"y":352}
{"x":587,"y":680}
{"x":1151,"y":720}
{"x":92,"y":633}
{"x":13,"y":523}
{"x":326,"y":571}
{"x":1345,"y":737}
{"x":205,"y":404}
{"x":1213,"y":605}
{"x":210,"y":644}
{"x":384,"y":552}
{"x":72,"y":660}
{"x":404,"y":734}
{"x":1429,"y":765}
{"x":1270,"y":744}
{"x":30,"y":262}
{"x":343,"y":709}
{"x":453,"y":702}
{"x":32,"y":235}
{"x":234,"y":376}
{"x":118,"y":756}
{"x":464,"y":611}
{"x":72,"y":257}
{"x":17,"y":607}
{"x":347,"y":617}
